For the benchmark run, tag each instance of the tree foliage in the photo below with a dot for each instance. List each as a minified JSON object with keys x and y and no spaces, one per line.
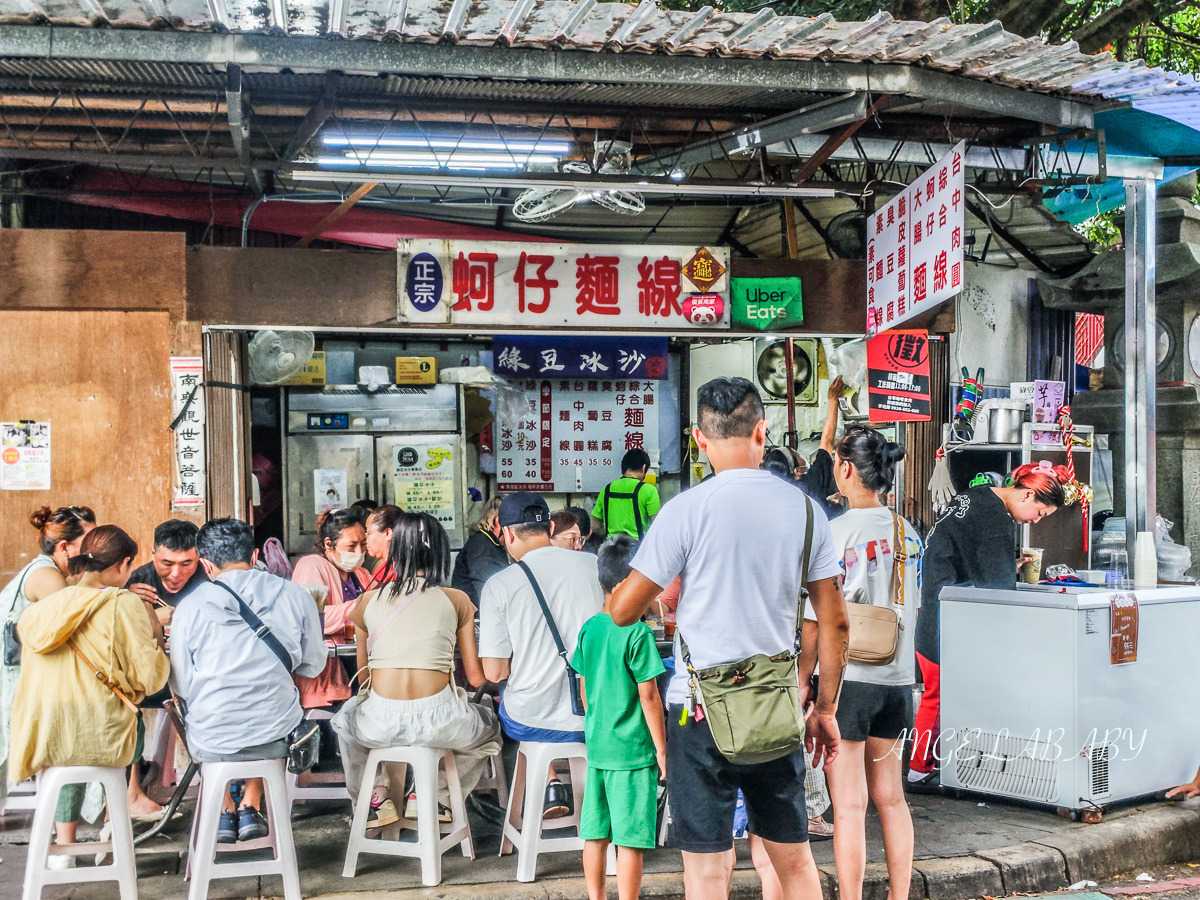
{"x":1162,"y":32}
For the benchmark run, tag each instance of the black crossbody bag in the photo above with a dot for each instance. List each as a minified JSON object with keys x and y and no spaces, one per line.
{"x":12,"y":640}
{"x":572,"y":675}
{"x":304,"y":743}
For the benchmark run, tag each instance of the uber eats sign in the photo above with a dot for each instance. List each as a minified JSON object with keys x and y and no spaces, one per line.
{"x":766,"y":304}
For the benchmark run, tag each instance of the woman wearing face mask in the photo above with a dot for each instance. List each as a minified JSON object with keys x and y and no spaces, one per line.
{"x":60,"y":532}
{"x":338,"y":565}
{"x":974,"y":542}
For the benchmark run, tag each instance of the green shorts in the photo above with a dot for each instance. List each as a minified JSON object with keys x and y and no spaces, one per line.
{"x":621,"y":805}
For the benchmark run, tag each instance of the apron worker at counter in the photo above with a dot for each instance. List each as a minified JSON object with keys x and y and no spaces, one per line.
{"x":627,"y":505}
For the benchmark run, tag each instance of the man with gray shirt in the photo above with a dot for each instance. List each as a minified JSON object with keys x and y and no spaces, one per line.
{"x":738,"y":540}
{"x":241,"y":700}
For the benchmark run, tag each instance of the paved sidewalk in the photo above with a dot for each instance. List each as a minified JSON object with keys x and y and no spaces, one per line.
{"x":966,"y":848}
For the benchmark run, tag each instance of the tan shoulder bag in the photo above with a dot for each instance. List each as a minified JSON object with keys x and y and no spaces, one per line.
{"x":875,"y":630}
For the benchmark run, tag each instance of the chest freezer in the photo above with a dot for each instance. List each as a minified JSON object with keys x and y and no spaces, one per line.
{"x":1069,"y":697}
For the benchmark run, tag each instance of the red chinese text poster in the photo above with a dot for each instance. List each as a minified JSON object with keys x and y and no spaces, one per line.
{"x":898,"y":376}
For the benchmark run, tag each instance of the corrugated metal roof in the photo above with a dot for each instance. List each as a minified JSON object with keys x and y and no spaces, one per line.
{"x":984,"y":52}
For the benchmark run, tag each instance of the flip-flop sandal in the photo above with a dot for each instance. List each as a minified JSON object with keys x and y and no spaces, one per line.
{"x":819,"y":829}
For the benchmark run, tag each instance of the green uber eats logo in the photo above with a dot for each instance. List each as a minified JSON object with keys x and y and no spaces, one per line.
{"x":763,"y":304}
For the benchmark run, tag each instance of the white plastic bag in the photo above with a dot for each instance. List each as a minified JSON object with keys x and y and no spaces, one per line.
{"x":1173,"y":559}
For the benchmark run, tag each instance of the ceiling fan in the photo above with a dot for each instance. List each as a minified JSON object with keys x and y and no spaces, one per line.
{"x":611,"y":158}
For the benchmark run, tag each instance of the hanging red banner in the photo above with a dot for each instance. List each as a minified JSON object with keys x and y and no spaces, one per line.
{"x":898,"y":376}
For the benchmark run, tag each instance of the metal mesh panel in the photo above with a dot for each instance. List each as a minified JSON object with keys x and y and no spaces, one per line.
{"x":1011,"y":766}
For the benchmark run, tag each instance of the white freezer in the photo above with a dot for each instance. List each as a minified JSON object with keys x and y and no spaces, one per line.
{"x":1033,"y":709}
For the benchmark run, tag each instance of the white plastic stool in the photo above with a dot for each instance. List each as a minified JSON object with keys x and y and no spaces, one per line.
{"x":523,"y":827}
{"x":123,"y":868}
{"x":21,"y":797}
{"x":319,"y":787}
{"x":430,"y":843}
{"x":203,"y":867}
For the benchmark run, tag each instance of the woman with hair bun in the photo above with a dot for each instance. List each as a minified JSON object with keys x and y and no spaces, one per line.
{"x":974,"y":542}
{"x":90,"y":654}
{"x":60,"y":532}
{"x":880,"y":558}
{"x":337,"y":565}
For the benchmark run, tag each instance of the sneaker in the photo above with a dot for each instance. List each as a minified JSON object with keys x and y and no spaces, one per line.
{"x":929,"y":783}
{"x":58,"y":862}
{"x":251,"y":824}
{"x":410,"y":809}
{"x":383,"y":814}
{"x":227,"y":829}
{"x":819,"y":829}
{"x":558,"y":800}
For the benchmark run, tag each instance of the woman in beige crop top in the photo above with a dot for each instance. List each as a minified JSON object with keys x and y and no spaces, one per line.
{"x":407,"y":634}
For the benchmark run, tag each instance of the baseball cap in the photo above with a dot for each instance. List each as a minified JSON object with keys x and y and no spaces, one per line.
{"x":522,"y":508}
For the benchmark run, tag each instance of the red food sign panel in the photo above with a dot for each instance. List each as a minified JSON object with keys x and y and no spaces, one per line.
{"x":898,"y":376}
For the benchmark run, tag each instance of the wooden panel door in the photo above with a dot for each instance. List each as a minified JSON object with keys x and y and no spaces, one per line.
{"x":102,"y":379}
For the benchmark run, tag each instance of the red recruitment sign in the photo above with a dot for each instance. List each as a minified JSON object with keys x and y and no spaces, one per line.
{"x":898,"y":376}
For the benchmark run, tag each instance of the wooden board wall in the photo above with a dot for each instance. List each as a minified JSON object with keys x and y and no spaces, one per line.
{"x":100,"y":377}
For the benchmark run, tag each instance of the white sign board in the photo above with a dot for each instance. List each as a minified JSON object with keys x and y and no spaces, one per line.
{"x":25,"y":456}
{"x":186,"y":373}
{"x":572,"y":435}
{"x":669,"y":288}
{"x":915,"y":246}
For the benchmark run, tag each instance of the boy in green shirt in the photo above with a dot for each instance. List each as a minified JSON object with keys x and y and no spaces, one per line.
{"x":626,"y":734}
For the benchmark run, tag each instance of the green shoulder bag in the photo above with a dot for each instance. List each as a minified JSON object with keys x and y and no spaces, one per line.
{"x":752,"y":706}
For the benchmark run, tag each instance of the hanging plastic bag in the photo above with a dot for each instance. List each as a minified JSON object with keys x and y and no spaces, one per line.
{"x":850,"y":360}
{"x":1173,"y":559}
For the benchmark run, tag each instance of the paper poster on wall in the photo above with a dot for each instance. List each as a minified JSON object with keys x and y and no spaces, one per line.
{"x":423,"y":476}
{"x":190,"y":476}
{"x":898,"y":376}
{"x":573,"y":433}
{"x":25,"y":456}
{"x":329,"y":489}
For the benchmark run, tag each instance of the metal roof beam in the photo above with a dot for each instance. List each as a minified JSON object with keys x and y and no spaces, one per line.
{"x":315,"y":118}
{"x":262,"y":51}
{"x":237,"y":102}
{"x":807,"y":120}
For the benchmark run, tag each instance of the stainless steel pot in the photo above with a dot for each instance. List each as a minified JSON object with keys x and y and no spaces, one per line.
{"x":1005,"y":418}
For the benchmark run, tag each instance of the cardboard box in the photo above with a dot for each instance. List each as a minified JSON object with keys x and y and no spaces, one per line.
{"x":416,"y":370}
{"x":312,"y":375}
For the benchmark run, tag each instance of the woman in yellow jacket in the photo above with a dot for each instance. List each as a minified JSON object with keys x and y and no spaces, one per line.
{"x":63,"y":714}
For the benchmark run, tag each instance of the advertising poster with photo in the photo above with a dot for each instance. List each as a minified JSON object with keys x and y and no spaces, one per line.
{"x":424,"y":476}
{"x":25,"y":456}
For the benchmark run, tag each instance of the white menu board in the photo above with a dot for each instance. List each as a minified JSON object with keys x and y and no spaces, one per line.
{"x":915,"y":246}
{"x":572,"y":434}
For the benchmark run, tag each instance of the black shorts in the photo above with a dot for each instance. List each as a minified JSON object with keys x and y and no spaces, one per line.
{"x":874,"y":710}
{"x":702,"y":787}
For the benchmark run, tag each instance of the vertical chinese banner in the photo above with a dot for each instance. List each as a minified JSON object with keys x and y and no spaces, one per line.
{"x":187,"y":372}
{"x":915,"y":245}
{"x":898,"y":376}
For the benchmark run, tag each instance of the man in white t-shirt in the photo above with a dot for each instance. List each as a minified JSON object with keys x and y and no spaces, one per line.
{"x":516,"y":644}
{"x":738,"y":541}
